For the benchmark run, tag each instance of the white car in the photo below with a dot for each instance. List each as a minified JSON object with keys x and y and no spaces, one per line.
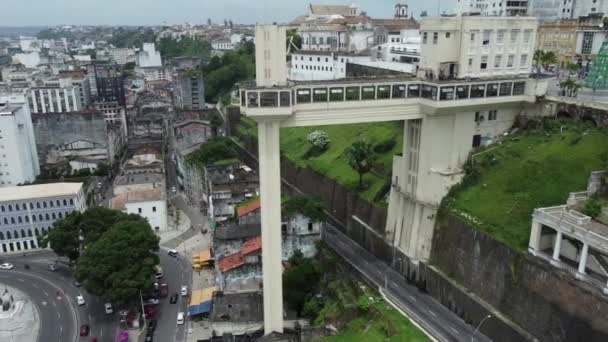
{"x":180,"y":318}
{"x":172,"y":252}
{"x":80,"y":300}
{"x":6,"y":266}
{"x":184,"y":291}
{"x":108,"y":308}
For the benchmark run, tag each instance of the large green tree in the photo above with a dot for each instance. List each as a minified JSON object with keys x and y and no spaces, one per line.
{"x":216,"y":149}
{"x":361,"y":158}
{"x":78,"y":230}
{"x":121,"y":263}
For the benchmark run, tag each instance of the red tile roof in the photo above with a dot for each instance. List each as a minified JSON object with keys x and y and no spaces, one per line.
{"x":238,"y":259}
{"x":230,"y":262}
{"x":251,"y":245}
{"x":248,"y":208}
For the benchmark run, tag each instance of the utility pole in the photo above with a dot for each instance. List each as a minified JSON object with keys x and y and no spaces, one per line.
{"x":143,"y":311}
{"x":479,"y":326}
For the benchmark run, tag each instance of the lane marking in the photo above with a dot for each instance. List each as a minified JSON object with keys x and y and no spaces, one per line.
{"x":412,"y":297}
{"x":45,"y":293}
{"x":454,"y":330}
{"x":61,"y":328}
{"x":432,"y":313}
{"x":19,"y":279}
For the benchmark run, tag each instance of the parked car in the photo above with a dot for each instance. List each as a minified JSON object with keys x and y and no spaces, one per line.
{"x":80,"y":300}
{"x":84,"y":330}
{"x":93,"y":339}
{"x":180,"y":318}
{"x":6,"y":266}
{"x":149,"y":311}
{"x":184,"y":291}
{"x":172,"y":252}
{"x":51,"y":267}
{"x":76,"y":283}
{"x":149,"y":337}
{"x":109,"y":309}
{"x":151,"y":301}
{"x":173,"y":298}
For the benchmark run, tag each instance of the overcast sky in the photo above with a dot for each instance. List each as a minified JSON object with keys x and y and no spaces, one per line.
{"x":152,"y":12}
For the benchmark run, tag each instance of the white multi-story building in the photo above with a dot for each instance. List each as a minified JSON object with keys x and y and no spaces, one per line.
{"x":493,"y":7}
{"x":223,"y":45}
{"x":18,"y":153}
{"x":59,"y":97}
{"x":27,"y":212}
{"x":152,"y":74}
{"x":317,"y":66}
{"x":123,"y":56}
{"x":149,"y":57}
{"x":477,"y":47}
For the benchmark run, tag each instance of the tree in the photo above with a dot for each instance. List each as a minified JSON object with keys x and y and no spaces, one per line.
{"x":216,"y":149}
{"x":299,"y":281}
{"x":309,"y":206}
{"x":216,"y":122}
{"x":121,"y":263}
{"x":294,"y":38}
{"x":544,"y":58}
{"x":78,"y":230}
{"x":361,"y":158}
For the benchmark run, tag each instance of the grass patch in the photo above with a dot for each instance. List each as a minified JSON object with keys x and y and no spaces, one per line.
{"x":333,"y":162}
{"x":535,"y":168}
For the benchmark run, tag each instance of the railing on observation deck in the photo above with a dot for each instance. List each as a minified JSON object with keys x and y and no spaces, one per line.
{"x":572,"y":223}
{"x":349,"y":91}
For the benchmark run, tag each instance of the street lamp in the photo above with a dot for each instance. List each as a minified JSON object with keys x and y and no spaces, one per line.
{"x":479,"y":326}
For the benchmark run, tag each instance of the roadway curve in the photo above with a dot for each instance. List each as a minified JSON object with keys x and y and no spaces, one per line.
{"x":58,"y":319}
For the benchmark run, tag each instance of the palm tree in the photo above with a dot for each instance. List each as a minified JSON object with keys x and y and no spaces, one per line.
{"x":544,"y":58}
{"x":570,"y":87}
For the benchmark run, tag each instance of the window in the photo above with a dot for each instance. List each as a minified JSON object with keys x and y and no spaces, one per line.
{"x":510,"y":61}
{"x":497,"y":61}
{"x":587,"y":43}
{"x":527,"y":36}
{"x":484,"y":63}
{"x":478,"y":117}
{"x":500,"y":37}
{"x":523,"y":62}
{"x":139,"y":210}
{"x":472,"y":37}
{"x":492,"y":115}
{"x":435,"y":37}
{"x":424,"y":37}
{"x":153,"y":209}
{"x":514,"y":36}
{"x":486,"y":37}
{"x":477,"y":140}
{"x":447,"y":34}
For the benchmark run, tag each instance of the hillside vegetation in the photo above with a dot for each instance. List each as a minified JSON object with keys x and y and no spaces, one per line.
{"x":333,"y":162}
{"x":534,"y":168}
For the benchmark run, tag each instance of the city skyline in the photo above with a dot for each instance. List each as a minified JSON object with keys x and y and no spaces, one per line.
{"x":115,"y":12}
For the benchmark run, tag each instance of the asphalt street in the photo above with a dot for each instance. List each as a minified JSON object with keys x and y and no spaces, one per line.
{"x":433,"y":317}
{"x":57,"y":293}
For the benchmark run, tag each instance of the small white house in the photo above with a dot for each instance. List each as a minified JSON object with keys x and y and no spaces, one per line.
{"x":150,"y":204}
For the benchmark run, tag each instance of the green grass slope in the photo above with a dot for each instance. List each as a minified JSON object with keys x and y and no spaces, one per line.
{"x":535,"y":168}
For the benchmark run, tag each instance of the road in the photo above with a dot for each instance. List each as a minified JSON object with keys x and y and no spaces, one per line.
{"x":177,"y":272}
{"x":54,"y":291}
{"x":437,"y":320}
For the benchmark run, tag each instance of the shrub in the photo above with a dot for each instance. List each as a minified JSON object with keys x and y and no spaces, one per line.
{"x":593,"y":208}
{"x":319,"y":140}
{"x":384,"y":146}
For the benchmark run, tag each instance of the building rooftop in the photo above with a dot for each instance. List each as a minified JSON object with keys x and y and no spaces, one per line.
{"x":248,"y":207}
{"x":231,"y":262}
{"x":235,"y":232}
{"x":237,"y":307}
{"x":251,"y":245}
{"x":120,"y":200}
{"x":9,"y":109}
{"x":343,"y":10}
{"x":19,"y":193}
{"x":143,"y":178}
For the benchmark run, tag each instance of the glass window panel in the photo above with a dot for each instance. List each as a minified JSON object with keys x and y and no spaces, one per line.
{"x":447,"y":93}
{"x":319,"y":95}
{"x":413,"y":90}
{"x":252,"y":99}
{"x":462,"y":92}
{"x":478,"y":90}
{"x":368,"y":93}
{"x":492,"y":90}
{"x":398,"y":91}
{"x":243,"y":99}
{"x":285,"y":100}
{"x":303,"y":95}
{"x":353,"y":93}
{"x":384,"y":92}
{"x":336,"y":94}
{"x":505,"y":89}
{"x":269,"y":99}
{"x":429,"y":92}
{"x":519,"y":88}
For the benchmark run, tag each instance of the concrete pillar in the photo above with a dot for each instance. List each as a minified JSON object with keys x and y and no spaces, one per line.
{"x":535,"y":236}
{"x":42,"y":102}
{"x":582,"y":263}
{"x":270,"y":197}
{"x":59,"y":106}
{"x":65,"y":99}
{"x":35,"y":103}
{"x":49,"y":93}
{"x":557,"y":246}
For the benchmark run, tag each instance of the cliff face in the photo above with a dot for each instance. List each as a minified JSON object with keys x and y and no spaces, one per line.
{"x":548,"y":303}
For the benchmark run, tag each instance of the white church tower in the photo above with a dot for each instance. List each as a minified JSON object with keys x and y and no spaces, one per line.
{"x":401,"y":10}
